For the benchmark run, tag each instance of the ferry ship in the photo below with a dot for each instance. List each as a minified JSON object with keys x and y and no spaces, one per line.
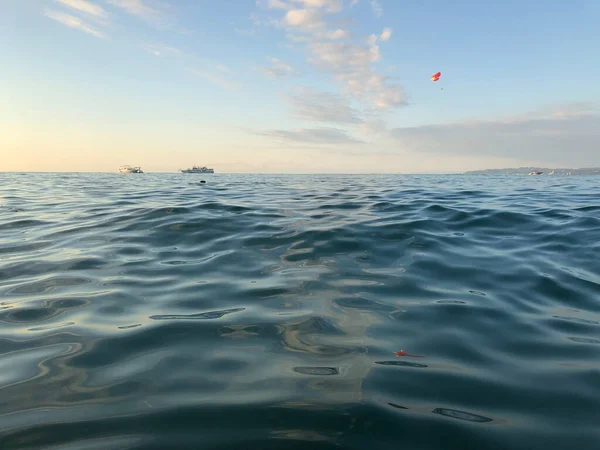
{"x":196,"y":169}
{"x":129,"y":169}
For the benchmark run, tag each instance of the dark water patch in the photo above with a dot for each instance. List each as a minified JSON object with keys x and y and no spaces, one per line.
{"x":577,"y":320}
{"x":29,"y":247}
{"x":584,"y":340}
{"x":27,"y":315}
{"x":474,"y":292}
{"x":23,"y":223}
{"x":342,"y":206}
{"x":451,"y":302}
{"x":394,"y":405}
{"x":320,"y":371}
{"x":588,"y":209}
{"x":401,"y":364}
{"x":461,"y":415}
{"x":198,"y":316}
{"x":127,"y":327}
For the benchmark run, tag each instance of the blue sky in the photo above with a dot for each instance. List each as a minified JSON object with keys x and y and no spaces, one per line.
{"x":298,"y":85}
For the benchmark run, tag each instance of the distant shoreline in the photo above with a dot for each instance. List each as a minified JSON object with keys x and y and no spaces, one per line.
{"x":545,"y":170}
{"x":506,"y":171}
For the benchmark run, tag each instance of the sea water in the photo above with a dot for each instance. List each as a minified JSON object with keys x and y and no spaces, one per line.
{"x":153,"y":311}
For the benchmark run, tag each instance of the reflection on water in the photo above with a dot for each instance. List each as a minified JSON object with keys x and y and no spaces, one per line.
{"x":199,"y":316}
{"x":317,"y":370}
{"x":461,"y":415}
{"x":264,"y":312}
{"x":400,"y":363}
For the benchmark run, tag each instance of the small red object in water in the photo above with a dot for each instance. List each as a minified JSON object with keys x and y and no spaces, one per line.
{"x":403,"y":353}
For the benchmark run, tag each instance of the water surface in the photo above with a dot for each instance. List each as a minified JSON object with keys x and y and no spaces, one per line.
{"x":152,"y":311}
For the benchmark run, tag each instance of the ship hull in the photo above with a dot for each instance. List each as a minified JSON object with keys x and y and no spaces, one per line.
{"x":196,"y":171}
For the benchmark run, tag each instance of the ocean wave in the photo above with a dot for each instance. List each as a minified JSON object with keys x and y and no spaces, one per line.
{"x":259,"y":311}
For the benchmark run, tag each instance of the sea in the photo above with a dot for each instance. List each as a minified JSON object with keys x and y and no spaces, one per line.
{"x":427,"y":312}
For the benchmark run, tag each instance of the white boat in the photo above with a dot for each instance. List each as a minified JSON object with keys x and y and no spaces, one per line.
{"x":536,"y":172}
{"x":197,"y":169}
{"x":129,"y":169}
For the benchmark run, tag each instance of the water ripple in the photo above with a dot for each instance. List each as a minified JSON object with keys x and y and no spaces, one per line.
{"x":254,"y":311}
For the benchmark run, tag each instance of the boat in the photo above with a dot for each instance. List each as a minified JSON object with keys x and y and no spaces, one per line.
{"x":129,"y":169}
{"x":197,"y":169}
{"x":536,"y":172}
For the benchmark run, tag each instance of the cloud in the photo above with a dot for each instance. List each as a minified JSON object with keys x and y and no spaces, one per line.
{"x":304,"y":18}
{"x":572,"y":109}
{"x":568,"y":134}
{"x":376,"y":7}
{"x":338,"y":34}
{"x":351,"y":61}
{"x":386,"y":34}
{"x":308,"y":104}
{"x":305,"y":136}
{"x":215,"y":79}
{"x":277,"y":69}
{"x":161,"y":50}
{"x":154,"y":12}
{"x":137,"y":8}
{"x":86,"y":7}
{"x":351,"y":65}
{"x":73,"y":22}
{"x":329,"y":5}
{"x":278,"y":4}
{"x":372,"y":127}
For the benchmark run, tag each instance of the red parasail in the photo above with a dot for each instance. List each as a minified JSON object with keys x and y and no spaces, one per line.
{"x":436,"y":76}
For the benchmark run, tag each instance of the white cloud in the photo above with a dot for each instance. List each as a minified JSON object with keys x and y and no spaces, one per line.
{"x":277,"y":69}
{"x":304,"y":18}
{"x":137,"y":8}
{"x":372,"y":40}
{"x":89,"y":8}
{"x":158,"y":13}
{"x":215,"y":79}
{"x":338,"y":34}
{"x":323,"y":135}
{"x":377,"y":9}
{"x":329,"y":5}
{"x":568,"y":134}
{"x":278,"y":4}
{"x":308,"y":104}
{"x":386,"y":34}
{"x":73,"y":22}
{"x":161,"y":50}
{"x":351,"y":65}
{"x":350,"y":60}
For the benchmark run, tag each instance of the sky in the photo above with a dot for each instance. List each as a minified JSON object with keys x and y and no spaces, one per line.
{"x":298,"y":86}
